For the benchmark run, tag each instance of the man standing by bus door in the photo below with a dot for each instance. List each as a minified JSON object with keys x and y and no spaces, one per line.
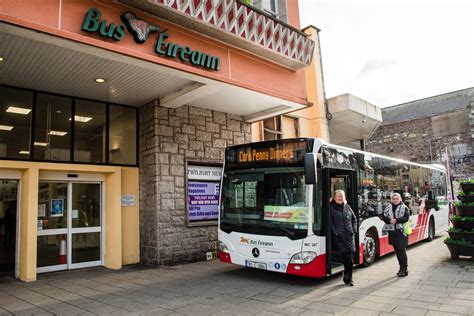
{"x":343,"y":228}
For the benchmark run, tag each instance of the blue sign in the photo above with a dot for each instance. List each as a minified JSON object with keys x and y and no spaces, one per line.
{"x":57,"y":207}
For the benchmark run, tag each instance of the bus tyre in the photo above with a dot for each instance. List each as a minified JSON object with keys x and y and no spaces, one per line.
{"x":431,"y":230}
{"x":370,"y":248}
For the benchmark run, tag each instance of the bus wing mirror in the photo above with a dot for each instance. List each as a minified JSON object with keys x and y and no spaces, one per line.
{"x":310,"y":168}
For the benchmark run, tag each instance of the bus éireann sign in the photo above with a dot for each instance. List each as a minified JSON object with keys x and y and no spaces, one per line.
{"x":140,"y":30}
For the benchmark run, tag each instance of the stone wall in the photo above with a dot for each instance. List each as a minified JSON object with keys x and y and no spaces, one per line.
{"x":418,"y":141}
{"x":168,"y":138}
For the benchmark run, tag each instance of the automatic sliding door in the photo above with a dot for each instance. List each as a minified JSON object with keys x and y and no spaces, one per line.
{"x":69,"y":226}
{"x":85,"y":225}
{"x":52,"y":223}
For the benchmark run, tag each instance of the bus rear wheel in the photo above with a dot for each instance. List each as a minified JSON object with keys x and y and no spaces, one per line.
{"x":370,"y":248}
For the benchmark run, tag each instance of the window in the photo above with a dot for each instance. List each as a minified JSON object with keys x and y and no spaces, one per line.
{"x":89,"y":132}
{"x":52,"y":128}
{"x":276,"y":8}
{"x":272,"y":128}
{"x":66,"y":129}
{"x":122,"y":135}
{"x":15,"y":123}
{"x":270,"y":6}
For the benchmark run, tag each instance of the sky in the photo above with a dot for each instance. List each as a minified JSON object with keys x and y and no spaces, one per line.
{"x":391,"y":52}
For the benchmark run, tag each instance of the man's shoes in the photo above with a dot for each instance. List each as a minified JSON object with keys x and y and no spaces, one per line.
{"x":402,"y":273}
{"x":348,"y":281}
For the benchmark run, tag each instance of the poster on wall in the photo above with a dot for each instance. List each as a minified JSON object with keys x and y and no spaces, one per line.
{"x":203,"y":192}
{"x":57,"y":207}
{"x":203,"y":200}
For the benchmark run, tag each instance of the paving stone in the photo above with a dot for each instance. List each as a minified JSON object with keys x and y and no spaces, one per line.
{"x":269,"y":298}
{"x":381,"y":307}
{"x":360,"y":312}
{"x":439,"y":313}
{"x":402,"y":310}
{"x":328,"y":308}
{"x":199,"y":309}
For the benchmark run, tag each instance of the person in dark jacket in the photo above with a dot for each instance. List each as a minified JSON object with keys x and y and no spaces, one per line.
{"x":343,"y":229}
{"x":394,"y":216}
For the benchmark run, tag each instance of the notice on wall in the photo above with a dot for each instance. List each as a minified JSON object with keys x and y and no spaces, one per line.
{"x":128,"y":200}
{"x":75,"y":214}
{"x":41,"y":210}
{"x":197,"y":172}
{"x":203,"y":200}
{"x":57,"y":207}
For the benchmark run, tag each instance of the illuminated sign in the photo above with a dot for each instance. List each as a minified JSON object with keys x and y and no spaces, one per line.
{"x":267,"y":154}
{"x":141,"y":29}
{"x":278,"y":152}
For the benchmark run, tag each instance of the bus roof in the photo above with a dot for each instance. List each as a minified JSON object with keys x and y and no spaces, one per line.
{"x":321,"y":141}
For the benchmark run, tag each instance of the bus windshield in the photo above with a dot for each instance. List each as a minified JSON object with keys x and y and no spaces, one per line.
{"x":265,"y":201}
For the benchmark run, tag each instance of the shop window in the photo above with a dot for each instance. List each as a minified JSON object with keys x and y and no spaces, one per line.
{"x":52,"y":128}
{"x":122,"y":135}
{"x":272,"y":128}
{"x":89,"y":132}
{"x":15,"y":123}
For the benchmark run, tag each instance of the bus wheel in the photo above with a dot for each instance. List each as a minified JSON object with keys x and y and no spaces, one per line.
{"x":431,"y":230}
{"x":370,"y":248}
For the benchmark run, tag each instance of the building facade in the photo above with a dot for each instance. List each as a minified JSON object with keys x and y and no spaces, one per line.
{"x":437,"y":129}
{"x":114,"y":117}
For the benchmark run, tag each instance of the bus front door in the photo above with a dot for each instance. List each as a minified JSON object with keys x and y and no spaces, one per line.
{"x":337,"y":179}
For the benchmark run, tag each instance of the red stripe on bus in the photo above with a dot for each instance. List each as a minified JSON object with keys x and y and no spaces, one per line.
{"x":314,"y":269}
{"x":384,"y":246}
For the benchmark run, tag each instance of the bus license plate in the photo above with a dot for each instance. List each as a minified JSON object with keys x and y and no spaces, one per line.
{"x":258,"y":265}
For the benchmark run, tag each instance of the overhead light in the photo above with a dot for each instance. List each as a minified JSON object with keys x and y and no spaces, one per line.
{"x":83,"y":119}
{"x":14,"y":109}
{"x":1,"y":59}
{"x":41,"y":144}
{"x":100,"y":80}
{"x":24,"y":152}
{"x":6,"y":128}
{"x":57,"y":133}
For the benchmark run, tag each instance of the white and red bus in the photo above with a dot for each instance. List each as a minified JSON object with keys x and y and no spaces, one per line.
{"x":275,"y":201}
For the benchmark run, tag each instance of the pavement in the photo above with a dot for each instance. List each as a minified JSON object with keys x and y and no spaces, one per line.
{"x":435,"y":286}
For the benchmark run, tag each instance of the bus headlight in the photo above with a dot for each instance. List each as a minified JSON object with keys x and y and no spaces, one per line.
{"x":223,"y":247}
{"x":304,"y":257}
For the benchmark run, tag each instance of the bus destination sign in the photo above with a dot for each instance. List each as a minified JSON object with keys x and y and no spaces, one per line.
{"x":274,"y":152}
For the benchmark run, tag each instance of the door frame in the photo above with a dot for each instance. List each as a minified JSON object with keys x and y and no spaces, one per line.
{"x":7,"y":174}
{"x":61,"y":177}
{"x":352,"y":199}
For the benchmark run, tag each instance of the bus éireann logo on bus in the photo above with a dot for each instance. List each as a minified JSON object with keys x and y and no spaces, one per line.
{"x":244,"y":240}
{"x":252,"y":242}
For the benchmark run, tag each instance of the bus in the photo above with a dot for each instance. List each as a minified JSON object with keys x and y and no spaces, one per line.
{"x":274,"y":204}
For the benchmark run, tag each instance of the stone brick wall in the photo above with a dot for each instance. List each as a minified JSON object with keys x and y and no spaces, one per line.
{"x":168,"y":138}
{"x":415,"y":141}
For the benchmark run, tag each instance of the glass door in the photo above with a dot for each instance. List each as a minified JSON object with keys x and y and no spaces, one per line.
{"x":69,"y":226}
{"x":52,"y":226}
{"x":85,"y":219}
